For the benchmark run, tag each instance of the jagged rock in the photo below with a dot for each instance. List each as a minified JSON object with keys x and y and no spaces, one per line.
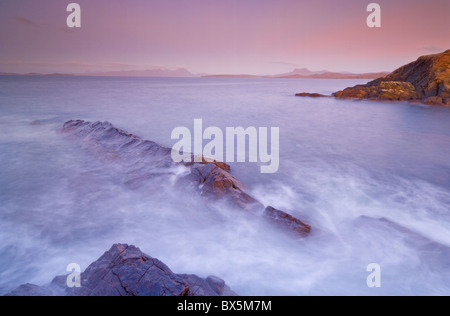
{"x":286,"y":221}
{"x":437,"y":101}
{"x":126,"y":271}
{"x":145,"y":159}
{"x":216,"y":182}
{"x":211,"y":286}
{"x":426,"y":80}
{"x":387,"y":90}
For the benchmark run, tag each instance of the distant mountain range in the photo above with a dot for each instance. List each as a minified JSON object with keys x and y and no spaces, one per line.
{"x":302,"y":73}
{"x":305,"y":73}
{"x":177,"y":73}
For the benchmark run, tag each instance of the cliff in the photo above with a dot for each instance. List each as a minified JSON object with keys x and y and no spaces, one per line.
{"x":426,"y":80}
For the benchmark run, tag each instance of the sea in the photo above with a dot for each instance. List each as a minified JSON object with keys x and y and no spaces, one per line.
{"x":371,"y":178}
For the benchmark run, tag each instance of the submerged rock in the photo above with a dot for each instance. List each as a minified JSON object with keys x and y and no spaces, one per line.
{"x":286,"y":221}
{"x":145,"y":159}
{"x":426,"y":80}
{"x":126,"y":271}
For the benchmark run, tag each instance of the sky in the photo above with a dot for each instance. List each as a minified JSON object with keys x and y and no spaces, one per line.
{"x":219,"y":37}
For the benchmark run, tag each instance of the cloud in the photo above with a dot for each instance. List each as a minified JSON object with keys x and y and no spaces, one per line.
{"x":284,"y":63}
{"x":118,"y":64}
{"x":11,"y":62}
{"x":45,"y":64}
{"x":24,"y":21}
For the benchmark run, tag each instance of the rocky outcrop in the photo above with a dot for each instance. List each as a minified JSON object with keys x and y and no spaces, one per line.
{"x":426,"y":80}
{"x":311,"y":95}
{"x":145,"y":160}
{"x":126,"y":271}
{"x":386,"y":90}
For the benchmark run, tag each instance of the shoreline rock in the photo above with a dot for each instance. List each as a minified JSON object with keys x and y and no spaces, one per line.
{"x":126,"y":271}
{"x":426,"y":80}
{"x":312,"y":95}
{"x":283,"y":219}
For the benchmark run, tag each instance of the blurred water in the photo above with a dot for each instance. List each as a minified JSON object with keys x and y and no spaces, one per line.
{"x":371,"y":178}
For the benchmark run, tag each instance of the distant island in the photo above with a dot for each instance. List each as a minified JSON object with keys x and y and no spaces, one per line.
{"x":425,"y":80}
{"x":302,"y":73}
{"x":180,"y":73}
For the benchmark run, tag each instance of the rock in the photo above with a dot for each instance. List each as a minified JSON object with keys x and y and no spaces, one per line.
{"x":286,"y":222}
{"x":211,"y":286}
{"x":126,"y":271}
{"x":426,"y":80}
{"x":387,"y":90}
{"x":221,"y":165}
{"x":437,"y":101}
{"x":311,"y":95}
{"x":145,"y":160}
{"x":216,"y":182}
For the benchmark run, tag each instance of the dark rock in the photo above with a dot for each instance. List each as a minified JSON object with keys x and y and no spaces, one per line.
{"x":311,"y":95}
{"x":145,"y":160}
{"x":286,"y":222}
{"x":426,"y":80}
{"x":126,"y":271}
{"x":211,"y":286}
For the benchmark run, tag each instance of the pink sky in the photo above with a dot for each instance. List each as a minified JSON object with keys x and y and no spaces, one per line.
{"x":212,"y":36}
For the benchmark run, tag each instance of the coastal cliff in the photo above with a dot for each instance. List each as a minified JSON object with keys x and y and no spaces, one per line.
{"x":426,"y":80}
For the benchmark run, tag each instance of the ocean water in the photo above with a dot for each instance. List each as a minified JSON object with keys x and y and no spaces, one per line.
{"x":371,"y":178}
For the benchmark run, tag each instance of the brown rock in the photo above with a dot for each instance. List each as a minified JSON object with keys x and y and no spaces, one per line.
{"x":430,"y":75}
{"x":357,"y":92}
{"x":286,"y":222}
{"x":422,"y":80}
{"x":437,"y":101}
{"x":215,"y":182}
{"x":311,"y":95}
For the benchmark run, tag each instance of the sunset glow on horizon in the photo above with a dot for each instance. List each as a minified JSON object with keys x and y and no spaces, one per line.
{"x":219,"y":37}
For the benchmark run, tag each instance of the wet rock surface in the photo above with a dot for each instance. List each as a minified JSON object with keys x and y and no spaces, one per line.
{"x":126,"y":271}
{"x":286,"y":221}
{"x":146,"y":159}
